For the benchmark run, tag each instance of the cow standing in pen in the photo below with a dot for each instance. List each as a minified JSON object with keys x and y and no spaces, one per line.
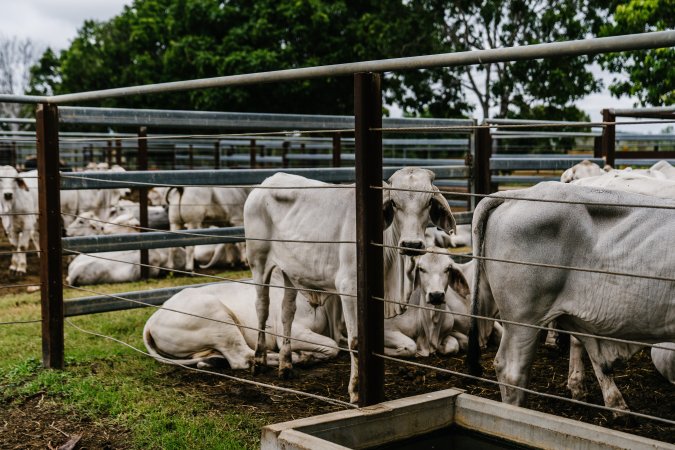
{"x":589,"y":233}
{"x":19,"y":217}
{"x":279,"y":220}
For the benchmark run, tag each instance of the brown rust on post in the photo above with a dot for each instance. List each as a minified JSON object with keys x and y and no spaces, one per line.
{"x":49,"y":201}
{"x":369,"y":229}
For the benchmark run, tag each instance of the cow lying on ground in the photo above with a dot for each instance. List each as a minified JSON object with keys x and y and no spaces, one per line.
{"x":115,"y":267}
{"x":618,"y":239}
{"x":185,"y":339}
{"x":279,"y":220}
{"x":158,"y":217}
{"x":18,"y":208}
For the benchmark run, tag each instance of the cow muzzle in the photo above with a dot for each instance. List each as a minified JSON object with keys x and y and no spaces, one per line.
{"x":8,"y":195}
{"x":411,"y":248}
{"x":436,"y":298}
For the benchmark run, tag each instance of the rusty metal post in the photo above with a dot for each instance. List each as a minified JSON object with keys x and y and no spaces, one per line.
{"x":337,"y":150}
{"x":608,"y":137}
{"x":12,"y":155}
{"x":482,"y":174}
{"x":143,"y":197}
{"x":252,"y":154}
{"x":369,"y":229}
{"x":118,"y":152}
{"x":216,"y":155}
{"x":284,"y":154}
{"x":49,"y":201}
{"x":597,"y":147}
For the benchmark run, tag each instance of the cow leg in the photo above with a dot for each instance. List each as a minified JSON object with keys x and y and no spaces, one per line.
{"x":287,"y":315}
{"x":171,"y":263}
{"x":551,"y":337}
{"x":262,"y":308}
{"x":349,"y":309}
{"x":13,"y":238}
{"x":398,"y":344}
{"x":190,"y":249}
{"x":576,"y":375}
{"x":24,"y":241}
{"x":312,"y":347}
{"x":449,"y":345}
{"x":610,"y":392}
{"x":514,"y":360}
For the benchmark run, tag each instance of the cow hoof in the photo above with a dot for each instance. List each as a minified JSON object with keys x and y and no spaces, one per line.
{"x":623,"y":420}
{"x":258,"y":369}
{"x":287,"y":373}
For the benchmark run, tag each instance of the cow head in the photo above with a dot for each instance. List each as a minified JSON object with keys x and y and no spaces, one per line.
{"x":412,"y":207}
{"x":10,"y":181}
{"x":86,"y":224}
{"x":433,"y":273}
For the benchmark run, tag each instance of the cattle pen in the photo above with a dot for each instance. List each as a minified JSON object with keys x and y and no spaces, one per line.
{"x":467,"y":180}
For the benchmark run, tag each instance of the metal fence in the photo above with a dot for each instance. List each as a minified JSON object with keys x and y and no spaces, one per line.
{"x":368,"y":173}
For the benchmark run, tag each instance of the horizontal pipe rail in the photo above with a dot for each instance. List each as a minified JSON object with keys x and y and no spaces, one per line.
{"x":152,"y":239}
{"x":641,"y":41}
{"x":112,"y":180}
{"x":167,"y":239}
{"x":539,"y":163}
{"x":159,"y":118}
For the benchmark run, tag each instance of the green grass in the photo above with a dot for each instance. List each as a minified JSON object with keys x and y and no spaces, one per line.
{"x":109,"y":382}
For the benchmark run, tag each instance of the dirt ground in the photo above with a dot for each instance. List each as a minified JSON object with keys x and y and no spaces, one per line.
{"x":37,"y":422}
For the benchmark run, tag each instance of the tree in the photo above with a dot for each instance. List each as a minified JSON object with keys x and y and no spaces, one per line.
{"x":16,"y":58}
{"x":154,"y":41}
{"x":512,"y":88}
{"x":648,"y":75}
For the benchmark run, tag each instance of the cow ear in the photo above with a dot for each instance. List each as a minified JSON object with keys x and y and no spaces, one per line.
{"x":441,"y":215}
{"x":458,"y":282}
{"x":21,"y":183}
{"x":387,"y":206}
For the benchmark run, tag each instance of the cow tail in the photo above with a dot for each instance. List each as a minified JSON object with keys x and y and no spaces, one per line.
{"x":178,"y":189}
{"x":162,"y":357}
{"x":480,"y":217}
{"x":217,"y":255}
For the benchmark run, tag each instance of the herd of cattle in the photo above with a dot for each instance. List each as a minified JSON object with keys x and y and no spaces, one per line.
{"x":556,"y":253}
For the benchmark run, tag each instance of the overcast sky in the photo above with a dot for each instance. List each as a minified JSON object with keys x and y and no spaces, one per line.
{"x":55,"y":23}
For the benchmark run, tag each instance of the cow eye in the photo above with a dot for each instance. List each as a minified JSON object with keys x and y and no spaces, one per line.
{"x":394,"y":204}
{"x":423,"y":270}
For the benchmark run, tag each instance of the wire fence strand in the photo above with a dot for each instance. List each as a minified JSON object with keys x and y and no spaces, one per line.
{"x":229,"y":377}
{"x":528,"y":391}
{"x":211,"y":319}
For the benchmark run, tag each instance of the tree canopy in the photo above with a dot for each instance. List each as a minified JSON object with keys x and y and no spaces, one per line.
{"x":648,"y":75}
{"x":154,"y":41}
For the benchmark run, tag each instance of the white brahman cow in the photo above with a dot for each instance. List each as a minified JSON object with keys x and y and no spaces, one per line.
{"x":610,"y":238}
{"x":279,"y":220}
{"x":200,"y":207}
{"x":664,"y":360}
{"x":75,"y":202}
{"x":158,"y":216}
{"x":19,"y":217}
{"x":439,"y":238}
{"x":221,"y":322}
{"x":583,"y":169}
{"x":115,"y":267}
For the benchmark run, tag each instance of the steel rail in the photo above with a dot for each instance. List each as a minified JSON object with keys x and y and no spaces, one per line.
{"x":542,"y":200}
{"x":593,"y":46}
{"x":230,"y":377}
{"x":528,"y":391}
{"x":238,"y":325}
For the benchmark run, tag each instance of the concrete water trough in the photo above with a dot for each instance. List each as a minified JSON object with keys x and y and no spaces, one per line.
{"x":446,"y":419}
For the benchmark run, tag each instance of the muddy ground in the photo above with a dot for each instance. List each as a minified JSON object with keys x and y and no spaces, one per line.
{"x":37,"y":423}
